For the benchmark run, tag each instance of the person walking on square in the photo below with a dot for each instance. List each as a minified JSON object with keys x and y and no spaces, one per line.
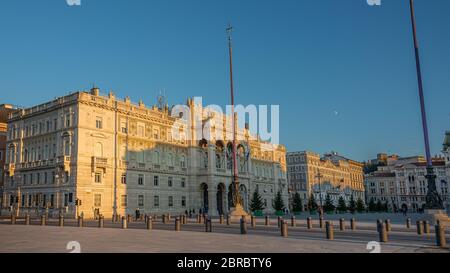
{"x":138,"y":214}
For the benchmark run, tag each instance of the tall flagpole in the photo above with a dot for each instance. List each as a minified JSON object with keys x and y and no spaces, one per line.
{"x":433,"y":200}
{"x":238,"y":209}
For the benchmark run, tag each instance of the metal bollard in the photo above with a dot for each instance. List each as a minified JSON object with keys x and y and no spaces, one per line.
{"x":382,"y":233}
{"x":80,"y":221}
{"x":149,"y":223}
{"x":379,"y":222}
{"x":293,"y":223}
{"x":408,"y":223}
{"x":221,"y":219}
{"x":329,"y":230}
{"x":440,"y":235}
{"x":228,"y":220}
{"x":284,"y":228}
{"x":124,"y":223}
{"x":253,"y":219}
{"x":321,"y":222}
{"x":342,"y":224}
{"x":27,"y":219}
{"x":13,"y":219}
{"x":243,"y":226}
{"x":309,"y":223}
{"x":43,"y":220}
{"x":267,"y":222}
{"x":426,"y":227}
{"x":353,"y":224}
{"x":419,"y":227}
{"x":388,"y":225}
{"x":279,"y":221}
{"x":184,"y":219}
{"x":177,"y":224}
{"x":208,"y":225}
{"x":101,"y":221}
{"x":61,"y":220}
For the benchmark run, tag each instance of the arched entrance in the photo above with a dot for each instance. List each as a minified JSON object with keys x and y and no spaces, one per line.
{"x":220,"y":197}
{"x":204,"y":190}
{"x":230,"y":197}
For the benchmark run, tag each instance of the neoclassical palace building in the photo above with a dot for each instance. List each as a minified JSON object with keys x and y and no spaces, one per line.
{"x":330,"y":174}
{"x":95,"y":154}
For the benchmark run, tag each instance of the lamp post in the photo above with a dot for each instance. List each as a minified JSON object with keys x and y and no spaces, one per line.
{"x":433,"y":200}
{"x":319,"y":177}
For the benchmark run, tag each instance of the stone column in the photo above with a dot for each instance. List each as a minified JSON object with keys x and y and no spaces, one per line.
{"x":212,"y":200}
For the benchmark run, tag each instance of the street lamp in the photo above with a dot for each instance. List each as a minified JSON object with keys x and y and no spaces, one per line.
{"x":319,"y":177}
{"x":433,"y":200}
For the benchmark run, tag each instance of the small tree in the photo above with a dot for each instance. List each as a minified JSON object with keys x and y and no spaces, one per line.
{"x":278,"y":203}
{"x":256,"y":203}
{"x":297,"y":203}
{"x":372,"y":205}
{"x":360,"y":207}
{"x":312,"y":204}
{"x":352,"y":205}
{"x":379,"y":207}
{"x":329,"y":206}
{"x":342,"y":206}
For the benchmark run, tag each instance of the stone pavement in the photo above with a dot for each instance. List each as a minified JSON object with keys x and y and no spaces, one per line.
{"x":52,"y":239}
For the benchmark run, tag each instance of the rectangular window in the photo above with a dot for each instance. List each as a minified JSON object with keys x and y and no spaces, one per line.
{"x":66,"y":199}
{"x":38,"y":178}
{"x":183,"y":201}
{"x":23,"y":201}
{"x":70,"y":197}
{"x":52,"y":200}
{"x":123,"y":178}
{"x":97,"y":200}
{"x":45,"y":178}
{"x":30,"y":200}
{"x":123,"y":201}
{"x":169,"y":182}
{"x":66,"y":177}
{"x":68,"y":120}
{"x":155,"y":181}
{"x":141,"y":180}
{"x":183,"y":182}
{"x":156,"y":201}
{"x":140,"y":130}
{"x":123,"y":127}
{"x":98,"y":123}
{"x":170,"y":201}
{"x":140,"y":201}
{"x":98,"y":177}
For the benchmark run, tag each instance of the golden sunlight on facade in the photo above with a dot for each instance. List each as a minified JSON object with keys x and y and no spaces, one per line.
{"x":94,"y":154}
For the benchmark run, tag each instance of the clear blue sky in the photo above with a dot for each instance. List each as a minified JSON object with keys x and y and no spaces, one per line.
{"x":314,"y":58}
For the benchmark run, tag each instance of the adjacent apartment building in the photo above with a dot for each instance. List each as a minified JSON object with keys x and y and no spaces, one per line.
{"x":402,"y":184}
{"x":5,"y":109}
{"x":330,"y":174}
{"x":97,"y":154}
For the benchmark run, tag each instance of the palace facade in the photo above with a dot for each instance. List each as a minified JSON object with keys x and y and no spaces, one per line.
{"x":401,"y":182}
{"x":96,"y":154}
{"x":339,"y":176}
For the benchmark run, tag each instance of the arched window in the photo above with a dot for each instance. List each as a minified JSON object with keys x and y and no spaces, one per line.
{"x":156,"y":157}
{"x":141,"y":156}
{"x":170,"y":160}
{"x":183,"y":161}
